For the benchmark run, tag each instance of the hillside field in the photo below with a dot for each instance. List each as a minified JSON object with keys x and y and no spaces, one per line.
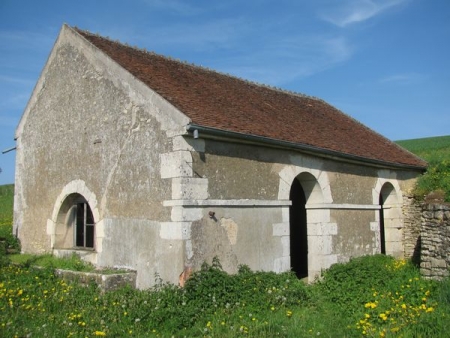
{"x":428,"y":148}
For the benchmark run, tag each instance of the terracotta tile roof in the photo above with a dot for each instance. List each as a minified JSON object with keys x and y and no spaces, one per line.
{"x":214,"y":100}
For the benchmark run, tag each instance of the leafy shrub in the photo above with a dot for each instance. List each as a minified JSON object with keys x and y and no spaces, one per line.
{"x":436,"y":151}
{"x":212,"y":288}
{"x":350,"y":284}
{"x":436,"y":178}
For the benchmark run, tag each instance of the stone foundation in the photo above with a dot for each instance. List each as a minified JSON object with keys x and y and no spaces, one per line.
{"x":106,"y":282}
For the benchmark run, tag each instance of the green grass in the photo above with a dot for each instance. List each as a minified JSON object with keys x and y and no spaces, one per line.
{"x":74,"y":262}
{"x":429,"y":147}
{"x":6,"y":218}
{"x":6,"y":203}
{"x":436,"y":151}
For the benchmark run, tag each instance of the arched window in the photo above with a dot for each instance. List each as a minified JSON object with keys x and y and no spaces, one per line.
{"x":75,"y":225}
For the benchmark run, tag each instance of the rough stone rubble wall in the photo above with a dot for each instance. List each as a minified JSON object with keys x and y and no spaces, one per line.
{"x":435,"y":241}
{"x":412,"y":211}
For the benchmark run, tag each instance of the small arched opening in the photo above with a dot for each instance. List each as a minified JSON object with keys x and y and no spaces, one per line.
{"x":75,"y":225}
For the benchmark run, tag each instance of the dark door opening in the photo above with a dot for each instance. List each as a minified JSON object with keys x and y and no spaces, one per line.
{"x":298,"y":231}
{"x":382,"y":235}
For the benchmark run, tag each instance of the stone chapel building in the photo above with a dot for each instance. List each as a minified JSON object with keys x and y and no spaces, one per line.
{"x":132,"y":159}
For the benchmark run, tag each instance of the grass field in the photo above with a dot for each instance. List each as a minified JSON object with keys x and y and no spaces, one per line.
{"x":6,"y":201}
{"x":428,"y":148}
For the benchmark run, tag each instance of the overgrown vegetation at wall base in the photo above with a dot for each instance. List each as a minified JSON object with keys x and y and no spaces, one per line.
{"x":436,"y":151}
{"x":374,"y":296}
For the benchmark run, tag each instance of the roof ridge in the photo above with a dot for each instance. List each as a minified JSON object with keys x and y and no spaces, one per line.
{"x":204,"y":68}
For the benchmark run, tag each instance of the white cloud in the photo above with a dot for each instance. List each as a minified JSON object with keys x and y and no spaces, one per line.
{"x":403,"y":79}
{"x":280,"y":61}
{"x":347,"y":12}
{"x":203,"y":36}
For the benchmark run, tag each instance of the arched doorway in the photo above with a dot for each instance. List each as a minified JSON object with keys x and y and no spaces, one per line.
{"x":382,"y":231}
{"x":390,"y":220}
{"x":298,"y":230}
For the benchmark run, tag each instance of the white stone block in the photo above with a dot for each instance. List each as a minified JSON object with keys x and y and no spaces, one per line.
{"x":320,"y":262}
{"x":330,"y":229}
{"x":95,"y":214}
{"x":282,"y":264}
{"x":51,"y":228}
{"x":394,"y":249}
{"x":393,"y":234}
{"x":190,"y":144}
{"x":320,"y":245}
{"x":285,"y":214}
{"x":182,"y":214}
{"x":321,"y":229}
{"x":280,"y":229}
{"x":189,"y":188}
{"x":318,"y":215}
{"x":100,"y":229}
{"x":175,"y":230}
{"x":176,"y":164}
{"x":284,"y":189}
{"x":286,"y":244}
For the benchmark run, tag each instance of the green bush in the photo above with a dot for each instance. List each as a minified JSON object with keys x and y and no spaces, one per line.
{"x":436,"y":151}
{"x":436,"y":178}
{"x":351,"y":283}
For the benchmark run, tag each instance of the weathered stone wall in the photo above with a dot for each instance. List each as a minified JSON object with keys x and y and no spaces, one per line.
{"x":435,"y":241}
{"x":342,"y":202}
{"x":92,"y":129}
{"x":412,"y":211}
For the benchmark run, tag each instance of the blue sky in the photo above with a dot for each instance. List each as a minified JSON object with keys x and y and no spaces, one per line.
{"x":385,"y":63}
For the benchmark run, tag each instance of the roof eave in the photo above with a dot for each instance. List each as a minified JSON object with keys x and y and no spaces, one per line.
{"x":226,"y":135}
